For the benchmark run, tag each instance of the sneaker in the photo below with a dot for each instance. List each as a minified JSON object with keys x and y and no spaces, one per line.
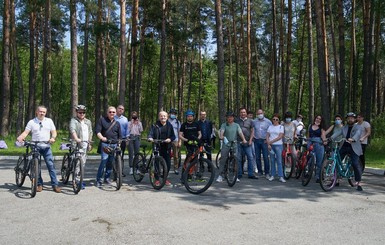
{"x":176,"y":171}
{"x":131,"y":172}
{"x":268,"y":176}
{"x":252,"y":177}
{"x":271,"y":178}
{"x":108,"y":181}
{"x":39,"y":188}
{"x":168,"y":183}
{"x":83,"y":186}
{"x":238,"y":180}
{"x":56,"y":189}
{"x":157,"y":183}
{"x":219,"y":179}
{"x":359,"y":188}
{"x":281,"y":179}
{"x":99,"y":184}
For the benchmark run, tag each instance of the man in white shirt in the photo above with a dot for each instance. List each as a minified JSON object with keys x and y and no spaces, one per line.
{"x":43,"y":129}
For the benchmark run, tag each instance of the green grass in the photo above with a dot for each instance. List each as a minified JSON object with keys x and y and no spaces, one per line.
{"x":374,"y":156}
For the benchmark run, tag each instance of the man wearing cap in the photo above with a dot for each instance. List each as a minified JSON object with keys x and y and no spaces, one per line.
{"x":81,"y":132}
{"x":173,"y":120}
{"x":228,"y":132}
{"x":352,"y":146}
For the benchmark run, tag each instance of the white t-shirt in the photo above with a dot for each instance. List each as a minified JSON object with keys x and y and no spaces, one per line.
{"x":274,"y":132}
{"x":366,"y":126}
{"x":40,"y":130}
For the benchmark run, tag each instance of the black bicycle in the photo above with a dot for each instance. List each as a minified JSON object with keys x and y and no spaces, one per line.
{"x":113,"y":149}
{"x":28,"y":164}
{"x":72,"y":164}
{"x":199,"y":173}
{"x":155,"y":166}
{"x":231,"y":165}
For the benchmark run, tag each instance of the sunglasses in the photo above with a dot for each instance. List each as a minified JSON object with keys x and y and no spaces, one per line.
{"x":112,"y":112}
{"x":275,"y":119}
{"x":81,"y":112}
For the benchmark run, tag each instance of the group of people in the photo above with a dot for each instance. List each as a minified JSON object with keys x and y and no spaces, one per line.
{"x":255,"y":138}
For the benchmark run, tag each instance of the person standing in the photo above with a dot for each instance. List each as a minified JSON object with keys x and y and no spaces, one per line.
{"x":367,"y":130}
{"x":81,"y":130}
{"x":228,"y":132}
{"x":299,"y":124}
{"x":274,"y":141}
{"x":107,"y":128}
{"x":190,"y":131}
{"x":290,"y":133}
{"x":317,"y":137}
{"x":135,"y":129}
{"x":261,"y":124}
{"x":176,"y":142}
{"x":207,"y":130}
{"x":213,"y":135}
{"x":43,"y":129}
{"x":163,"y":130}
{"x":352,"y":132}
{"x":123,"y":121}
{"x":247,"y":127}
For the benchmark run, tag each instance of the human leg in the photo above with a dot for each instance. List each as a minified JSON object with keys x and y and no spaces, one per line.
{"x":48,"y":158}
{"x":258,"y":151}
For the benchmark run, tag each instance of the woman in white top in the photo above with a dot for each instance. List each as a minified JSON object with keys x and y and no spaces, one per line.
{"x":274,"y":141}
{"x":290,"y":133}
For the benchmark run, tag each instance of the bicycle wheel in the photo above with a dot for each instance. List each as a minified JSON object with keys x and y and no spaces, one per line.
{"x":158,"y":172}
{"x":349,"y":174}
{"x":179,"y":157}
{"x":307,"y":172}
{"x":65,"y":168}
{"x":232,"y":171}
{"x":288,"y":166}
{"x":33,"y":175}
{"x":77,"y":175}
{"x":118,"y":171}
{"x":139,"y":167}
{"x":218,"y":159}
{"x":19,"y":170}
{"x":328,"y":176}
{"x":199,"y":176}
{"x":298,"y":165}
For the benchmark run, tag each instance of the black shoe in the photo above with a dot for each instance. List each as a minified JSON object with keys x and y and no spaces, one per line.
{"x":337,"y":184}
{"x":253,"y":177}
{"x":359,"y":188}
{"x":317,"y":181}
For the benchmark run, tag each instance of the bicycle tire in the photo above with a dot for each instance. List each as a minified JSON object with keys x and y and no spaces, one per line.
{"x":232,"y":171}
{"x":350,"y":172}
{"x":218,"y":160}
{"x":307,"y":172}
{"x":139,"y":167}
{"x":328,"y":176}
{"x":34,"y":175}
{"x":118,"y":171}
{"x":298,"y":165}
{"x":199,"y":176}
{"x":19,"y":170}
{"x":288,"y":166}
{"x":158,"y":172}
{"x":179,"y":158}
{"x":65,"y":168}
{"x":77,"y":177}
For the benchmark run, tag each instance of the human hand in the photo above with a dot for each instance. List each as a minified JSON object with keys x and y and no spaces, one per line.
{"x":150,"y":139}
{"x":168,"y":140}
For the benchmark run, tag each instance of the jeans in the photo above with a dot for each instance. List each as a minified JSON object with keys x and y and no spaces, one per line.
{"x":355,"y":161}
{"x":48,"y":158}
{"x":247,"y":150}
{"x":276,"y":157}
{"x":106,"y":163}
{"x":133,"y":148}
{"x":260,"y":146}
{"x":225,"y":154}
{"x":164,"y":151}
{"x":319,"y":151}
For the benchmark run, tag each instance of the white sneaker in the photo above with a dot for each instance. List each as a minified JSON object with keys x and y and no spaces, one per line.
{"x":271,"y":178}
{"x":281,"y":179}
{"x":219,"y":179}
{"x":131,"y":172}
{"x":268,"y":176}
{"x":238,"y":180}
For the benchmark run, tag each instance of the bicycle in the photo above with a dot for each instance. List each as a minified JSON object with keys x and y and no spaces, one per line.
{"x":113,"y":149}
{"x":287,"y":159}
{"x":155,"y":166}
{"x":218,"y":157}
{"x":231,"y":165}
{"x":307,"y":165}
{"x":28,"y":164}
{"x":334,"y":167}
{"x":195,"y":178}
{"x":72,"y":164}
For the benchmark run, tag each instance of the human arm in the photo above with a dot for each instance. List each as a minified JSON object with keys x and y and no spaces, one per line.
{"x":368,"y":131}
{"x":23,"y":135}
{"x":251,"y":136}
{"x":53,"y":136}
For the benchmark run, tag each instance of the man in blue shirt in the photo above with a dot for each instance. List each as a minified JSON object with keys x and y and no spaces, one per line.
{"x":261,"y":124}
{"x":123,"y":121}
{"x":206,"y":130}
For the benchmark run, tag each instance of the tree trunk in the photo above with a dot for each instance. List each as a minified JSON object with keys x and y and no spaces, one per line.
{"x":32,"y":64}
{"x":46,"y":72}
{"x":123,"y":53}
{"x":74,"y":58}
{"x":341,"y":43}
{"x":353,"y":63}
{"x":134,"y":101}
{"x":6,"y":88}
{"x":85,"y":58}
{"x":141,"y":59}
{"x":311,"y":57}
{"x":286,"y":99}
{"x":98,"y":57}
{"x":249,"y":72}
{"x":221,"y":62}
{"x":274,"y":58}
{"x":163,"y":56}
{"x":236,"y":56}
{"x":323,"y":72}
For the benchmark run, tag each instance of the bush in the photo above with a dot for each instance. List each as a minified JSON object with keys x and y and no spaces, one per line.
{"x":378,"y":126}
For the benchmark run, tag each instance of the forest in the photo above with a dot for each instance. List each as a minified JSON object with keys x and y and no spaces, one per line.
{"x":310,"y":57}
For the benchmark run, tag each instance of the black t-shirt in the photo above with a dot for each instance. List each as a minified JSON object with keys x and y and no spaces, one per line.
{"x":190,"y":130}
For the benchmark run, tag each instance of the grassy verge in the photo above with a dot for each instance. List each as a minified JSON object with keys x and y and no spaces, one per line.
{"x":374,"y":156}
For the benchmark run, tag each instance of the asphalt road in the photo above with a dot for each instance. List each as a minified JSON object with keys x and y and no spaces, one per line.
{"x":252,"y":212}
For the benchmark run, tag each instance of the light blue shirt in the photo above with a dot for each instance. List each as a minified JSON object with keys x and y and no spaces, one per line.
{"x":123,"y":125}
{"x":260,"y":128}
